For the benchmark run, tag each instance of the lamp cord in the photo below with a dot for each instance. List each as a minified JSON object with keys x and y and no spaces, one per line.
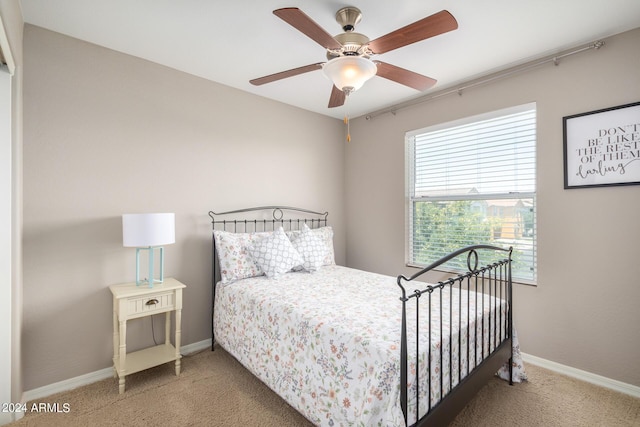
{"x":153,"y":333}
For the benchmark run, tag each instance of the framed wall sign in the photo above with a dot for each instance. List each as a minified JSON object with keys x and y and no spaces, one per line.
{"x":602,"y":147}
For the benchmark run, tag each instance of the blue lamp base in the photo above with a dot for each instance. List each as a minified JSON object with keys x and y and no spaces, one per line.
{"x":150,"y":280}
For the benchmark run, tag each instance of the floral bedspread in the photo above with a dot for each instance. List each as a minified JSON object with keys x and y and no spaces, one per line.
{"x":328,"y":342}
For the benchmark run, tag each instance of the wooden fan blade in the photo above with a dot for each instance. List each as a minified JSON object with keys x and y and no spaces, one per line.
{"x":307,"y":26}
{"x":337,"y":97}
{"x":430,"y":26}
{"x":284,"y":74}
{"x":403,"y":76}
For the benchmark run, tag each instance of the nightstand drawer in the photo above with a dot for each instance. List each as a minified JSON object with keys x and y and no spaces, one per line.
{"x":150,"y":303}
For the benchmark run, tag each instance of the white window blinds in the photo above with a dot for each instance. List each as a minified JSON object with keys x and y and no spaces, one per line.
{"x":474,"y":182}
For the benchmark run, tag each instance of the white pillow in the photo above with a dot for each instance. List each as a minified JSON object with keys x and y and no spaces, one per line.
{"x":234,"y":260}
{"x":325,"y":234}
{"x":275,"y":254}
{"x":311,"y":247}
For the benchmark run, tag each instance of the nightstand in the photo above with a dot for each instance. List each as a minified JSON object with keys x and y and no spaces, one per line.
{"x":132,"y":302}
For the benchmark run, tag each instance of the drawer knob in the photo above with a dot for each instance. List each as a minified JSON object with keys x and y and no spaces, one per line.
{"x":152,"y":302}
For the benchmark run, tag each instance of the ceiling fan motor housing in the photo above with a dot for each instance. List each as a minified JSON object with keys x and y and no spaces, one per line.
{"x":352,"y":45}
{"x":352,"y":42}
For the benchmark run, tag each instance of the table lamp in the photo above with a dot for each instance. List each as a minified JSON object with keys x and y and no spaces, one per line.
{"x":148,"y":232}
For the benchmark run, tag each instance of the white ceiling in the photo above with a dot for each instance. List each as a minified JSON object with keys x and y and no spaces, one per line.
{"x":232,"y":42}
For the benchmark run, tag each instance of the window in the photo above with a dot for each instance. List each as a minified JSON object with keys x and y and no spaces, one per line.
{"x":474,"y":181}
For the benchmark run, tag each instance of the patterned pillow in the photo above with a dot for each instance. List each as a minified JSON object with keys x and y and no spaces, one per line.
{"x":326,"y":235}
{"x":234,"y":260}
{"x":275,"y":254}
{"x":311,"y":247}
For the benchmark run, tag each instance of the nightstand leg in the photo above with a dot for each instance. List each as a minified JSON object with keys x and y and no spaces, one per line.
{"x":178,"y":338}
{"x":123,"y":354}
{"x":116,"y":340}
{"x":167,"y":328}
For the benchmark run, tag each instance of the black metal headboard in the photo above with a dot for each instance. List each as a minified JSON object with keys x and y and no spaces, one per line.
{"x":244,"y":224}
{"x":262,"y":218}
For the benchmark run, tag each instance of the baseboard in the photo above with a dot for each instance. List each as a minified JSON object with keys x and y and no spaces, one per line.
{"x":92,"y":377}
{"x":186,"y":350}
{"x":598,"y":380}
{"x":66,"y":385}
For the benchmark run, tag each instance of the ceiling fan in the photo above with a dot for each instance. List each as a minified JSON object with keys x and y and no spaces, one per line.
{"x":348,"y":54}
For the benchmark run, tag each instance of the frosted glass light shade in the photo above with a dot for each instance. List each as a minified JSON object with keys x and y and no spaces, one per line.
{"x":149,"y":229}
{"x":349,"y":72}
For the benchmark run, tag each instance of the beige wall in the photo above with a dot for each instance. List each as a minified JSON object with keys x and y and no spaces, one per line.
{"x":584,"y":312}
{"x":107,"y":134}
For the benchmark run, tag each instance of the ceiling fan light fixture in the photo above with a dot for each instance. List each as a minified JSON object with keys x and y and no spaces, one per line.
{"x":349,"y":73}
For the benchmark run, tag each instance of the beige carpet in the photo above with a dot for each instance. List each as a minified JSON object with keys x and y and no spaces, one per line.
{"x":215,"y":390}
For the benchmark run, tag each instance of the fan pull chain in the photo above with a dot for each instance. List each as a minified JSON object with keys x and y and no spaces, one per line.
{"x":346,"y":116}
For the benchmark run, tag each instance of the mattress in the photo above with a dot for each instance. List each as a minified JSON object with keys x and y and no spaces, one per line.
{"x":328,"y":342}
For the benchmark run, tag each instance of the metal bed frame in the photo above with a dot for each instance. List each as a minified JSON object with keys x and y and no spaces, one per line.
{"x":493,"y":280}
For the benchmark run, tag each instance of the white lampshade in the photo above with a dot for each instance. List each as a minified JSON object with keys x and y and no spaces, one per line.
{"x":149,"y":229}
{"x":350,"y":72}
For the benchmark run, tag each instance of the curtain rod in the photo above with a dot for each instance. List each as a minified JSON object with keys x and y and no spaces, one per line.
{"x":482,"y":80}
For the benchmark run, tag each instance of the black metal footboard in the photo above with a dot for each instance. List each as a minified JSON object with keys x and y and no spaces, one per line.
{"x":471,"y":348}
